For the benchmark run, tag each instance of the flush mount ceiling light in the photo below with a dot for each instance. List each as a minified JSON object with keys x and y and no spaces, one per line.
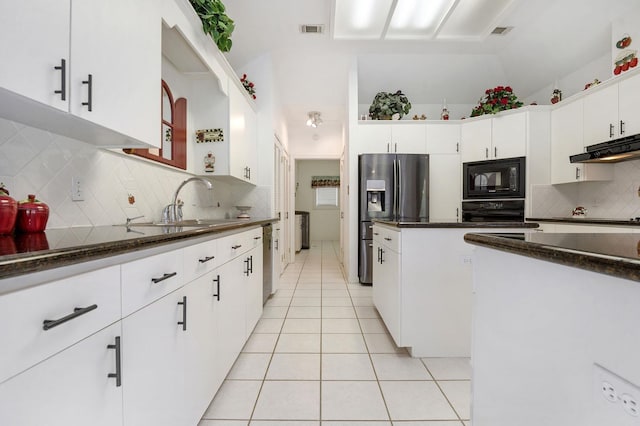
{"x":314,"y":119}
{"x":417,"y":19}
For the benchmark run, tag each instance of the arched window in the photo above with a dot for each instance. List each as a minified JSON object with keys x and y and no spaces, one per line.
{"x":173,"y":120}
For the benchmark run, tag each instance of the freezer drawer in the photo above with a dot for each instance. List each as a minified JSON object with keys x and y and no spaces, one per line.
{"x":365,"y":263}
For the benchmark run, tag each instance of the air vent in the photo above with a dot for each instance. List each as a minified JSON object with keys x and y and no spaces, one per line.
{"x":311,"y":29}
{"x":501,"y":30}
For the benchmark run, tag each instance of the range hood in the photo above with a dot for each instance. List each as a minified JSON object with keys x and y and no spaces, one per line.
{"x":626,"y":148}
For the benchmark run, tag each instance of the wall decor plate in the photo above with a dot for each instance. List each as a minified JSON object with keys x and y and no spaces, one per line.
{"x":209,"y":135}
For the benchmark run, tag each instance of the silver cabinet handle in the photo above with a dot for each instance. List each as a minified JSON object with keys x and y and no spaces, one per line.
{"x":495,"y":151}
{"x":610,"y":130}
{"x":387,"y":238}
{"x":577,"y":172}
{"x":486,"y":153}
{"x":622,"y":127}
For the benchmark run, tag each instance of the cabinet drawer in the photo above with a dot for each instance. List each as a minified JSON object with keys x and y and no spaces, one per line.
{"x":387,"y":237}
{"x":25,"y":342}
{"x":232,"y":246}
{"x":200,"y":259}
{"x":148,"y":279}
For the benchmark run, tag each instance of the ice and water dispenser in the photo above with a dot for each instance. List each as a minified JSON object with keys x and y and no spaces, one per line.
{"x":375,"y":195}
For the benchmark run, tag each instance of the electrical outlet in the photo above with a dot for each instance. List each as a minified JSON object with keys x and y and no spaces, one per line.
{"x":77,"y":190}
{"x":622,"y":397}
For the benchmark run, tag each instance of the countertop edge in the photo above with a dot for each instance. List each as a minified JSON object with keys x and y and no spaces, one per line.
{"x":585,"y":220}
{"x":502,"y":225}
{"x":619,"y":268}
{"x":25,"y":263}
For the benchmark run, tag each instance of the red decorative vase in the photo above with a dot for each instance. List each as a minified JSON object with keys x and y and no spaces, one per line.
{"x":8,"y":212}
{"x":32,"y":215}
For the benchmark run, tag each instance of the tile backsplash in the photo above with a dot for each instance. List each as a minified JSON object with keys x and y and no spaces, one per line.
{"x":616,"y":199}
{"x":33,"y":161}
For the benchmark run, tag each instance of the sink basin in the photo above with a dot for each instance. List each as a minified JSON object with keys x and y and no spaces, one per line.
{"x":189,"y":222}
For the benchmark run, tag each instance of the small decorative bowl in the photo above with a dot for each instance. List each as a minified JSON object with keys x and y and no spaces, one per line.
{"x":243,"y":212}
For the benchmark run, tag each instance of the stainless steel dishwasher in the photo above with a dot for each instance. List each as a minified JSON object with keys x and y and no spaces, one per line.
{"x":267,"y":258}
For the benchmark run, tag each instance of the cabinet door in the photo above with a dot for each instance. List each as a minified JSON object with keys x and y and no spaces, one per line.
{"x":628,"y":106}
{"x":601,"y":116}
{"x":34,"y":38}
{"x":153,"y":358}
{"x":70,"y":388}
{"x":230,"y":315}
{"x":443,"y":138}
{"x":374,"y":138}
{"x":237,"y":133}
{"x":445,"y":179}
{"x":251,"y":143}
{"x":409,"y":138}
{"x":200,"y":384}
{"x":387,"y":288}
{"x":509,"y":136}
{"x":566,"y":140}
{"x":476,"y":140}
{"x":254,"y":289}
{"x":118,"y":43}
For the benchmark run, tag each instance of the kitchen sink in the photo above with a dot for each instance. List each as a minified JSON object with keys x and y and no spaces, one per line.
{"x":188,"y":222}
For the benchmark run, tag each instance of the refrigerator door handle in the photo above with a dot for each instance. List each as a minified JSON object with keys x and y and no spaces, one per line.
{"x":395,"y":189}
{"x":399,"y":182}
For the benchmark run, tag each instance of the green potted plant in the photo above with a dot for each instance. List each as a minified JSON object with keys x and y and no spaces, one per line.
{"x":215,"y":22}
{"x":389,"y":106}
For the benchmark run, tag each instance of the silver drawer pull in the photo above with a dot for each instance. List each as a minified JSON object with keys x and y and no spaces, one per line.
{"x":206,"y":259}
{"x":237,"y":246}
{"x":387,"y":238}
{"x":49,"y":324}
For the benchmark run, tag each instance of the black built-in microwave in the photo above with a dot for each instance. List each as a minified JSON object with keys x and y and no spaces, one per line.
{"x":494,"y":179}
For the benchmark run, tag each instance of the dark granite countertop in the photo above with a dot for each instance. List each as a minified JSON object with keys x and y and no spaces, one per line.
{"x":587,"y":220}
{"x":617,"y":255}
{"x":25,"y":253}
{"x":427,"y":224}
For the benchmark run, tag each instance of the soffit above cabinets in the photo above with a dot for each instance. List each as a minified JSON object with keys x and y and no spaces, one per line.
{"x":456,"y":20}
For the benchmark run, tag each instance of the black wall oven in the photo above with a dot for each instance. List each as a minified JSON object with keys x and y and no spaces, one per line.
{"x":494,"y":179}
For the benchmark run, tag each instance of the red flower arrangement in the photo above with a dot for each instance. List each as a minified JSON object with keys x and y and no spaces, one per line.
{"x":500,"y":98}
{"x":248,"y":85}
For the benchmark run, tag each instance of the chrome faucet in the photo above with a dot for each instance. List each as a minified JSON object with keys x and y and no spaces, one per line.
{"x":172,"y":213}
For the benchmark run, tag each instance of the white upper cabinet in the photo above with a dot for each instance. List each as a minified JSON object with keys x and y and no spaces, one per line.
{"x":30,"y":57}
{"x":476,"y":140}
{"x":115,"y":66}
{"x":392,"y":138}
{"x":612,"y":112}
{"x":503,"y":136}
{"x":443,"y":138}
{"x":628,"y":106}
{"x":100,"y":61}
{"x":601,"y":116}
{"x":445,"y":187}
{"x":566,"y":140}
{"x":509,"y":135}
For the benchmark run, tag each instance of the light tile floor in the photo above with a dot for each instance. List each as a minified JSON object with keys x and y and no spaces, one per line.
{"x":321,"y":355}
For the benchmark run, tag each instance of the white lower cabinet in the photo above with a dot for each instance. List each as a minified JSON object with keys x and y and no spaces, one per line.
{"x":72,"y":387}
{"x":153,"y":357}
{"x":386,"y":286}
{"x":176,"y":341}
{"x":230,"y":316}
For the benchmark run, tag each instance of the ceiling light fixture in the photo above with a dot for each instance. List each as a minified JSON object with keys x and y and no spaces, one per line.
{"x":417,"y":19}
{"x":314,"y":119}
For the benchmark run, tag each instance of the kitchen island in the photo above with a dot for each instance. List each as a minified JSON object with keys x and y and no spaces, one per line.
{"x":549,"y":311}
{"x":422,"y":283}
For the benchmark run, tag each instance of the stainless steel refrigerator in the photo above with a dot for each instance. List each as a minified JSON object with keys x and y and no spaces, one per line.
{"x":392,"y":187}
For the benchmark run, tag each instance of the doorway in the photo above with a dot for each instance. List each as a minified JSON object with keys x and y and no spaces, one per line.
{"x":317,"y":191}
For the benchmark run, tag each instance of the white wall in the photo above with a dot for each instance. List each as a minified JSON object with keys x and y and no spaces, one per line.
{"x":324,"y":221}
